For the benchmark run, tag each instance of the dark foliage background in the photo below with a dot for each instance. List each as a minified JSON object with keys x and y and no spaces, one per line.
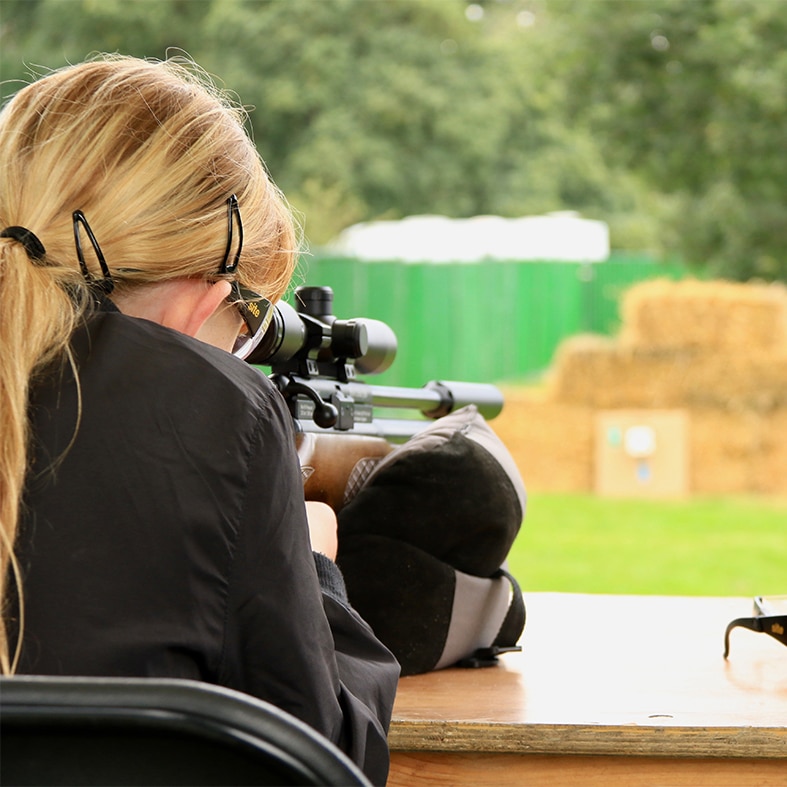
{"x":665,"y":118}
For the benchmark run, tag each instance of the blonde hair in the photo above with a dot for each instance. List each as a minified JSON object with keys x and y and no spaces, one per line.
{"x":149,"y":151}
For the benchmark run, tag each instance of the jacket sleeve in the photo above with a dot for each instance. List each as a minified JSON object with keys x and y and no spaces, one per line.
{"x":286,"y":640}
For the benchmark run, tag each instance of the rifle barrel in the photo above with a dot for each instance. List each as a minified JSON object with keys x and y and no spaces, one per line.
{"x":438,"y":398}
{"x":433,"y":400}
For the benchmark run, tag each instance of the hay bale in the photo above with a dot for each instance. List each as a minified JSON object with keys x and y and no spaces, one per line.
{"x":580,"y":365}
{"x":736,"y":382}
{"x":599,"y":372}
{"x":716,"y":349}
{"x":730,"y":452}
{"x":738,"y":453}
{"x":772,"y":469}
{"x":713,"y":315}
{"x":551,"y":443}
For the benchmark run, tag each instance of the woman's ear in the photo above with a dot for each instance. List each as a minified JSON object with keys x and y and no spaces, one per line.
{"x":206,"y":298}
{"x":183,"y":304}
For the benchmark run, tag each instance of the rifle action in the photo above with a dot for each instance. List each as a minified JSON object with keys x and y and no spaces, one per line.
{"x":315,"y":360}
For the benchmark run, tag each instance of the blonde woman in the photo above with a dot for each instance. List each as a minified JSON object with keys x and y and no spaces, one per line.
{"x":151,"y":506}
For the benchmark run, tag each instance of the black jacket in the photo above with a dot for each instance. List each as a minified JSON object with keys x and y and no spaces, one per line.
{"x":164,"y":534}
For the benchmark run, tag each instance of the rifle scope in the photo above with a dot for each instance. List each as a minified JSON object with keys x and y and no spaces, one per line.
{"x":314,"y":358}
{"x":310,"y":341}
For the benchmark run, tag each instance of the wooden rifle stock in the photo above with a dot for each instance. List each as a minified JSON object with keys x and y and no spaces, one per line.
{"x":332,"y":458}
{"x":328,"y":460}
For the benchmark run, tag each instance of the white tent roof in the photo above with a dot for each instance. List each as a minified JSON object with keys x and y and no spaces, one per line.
{"x":556,"y":236}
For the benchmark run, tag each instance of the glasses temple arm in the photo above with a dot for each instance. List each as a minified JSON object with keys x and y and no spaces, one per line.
{"x":753,"y":624}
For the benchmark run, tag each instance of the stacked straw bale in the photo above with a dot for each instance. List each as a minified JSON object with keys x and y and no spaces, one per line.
{"x":552,"y":443}
{"x":703,"y":316}
{"x":741,"y":453}
{"x":598,"y":372}
{"x":715,"y":349}
{"x":683,"y":344}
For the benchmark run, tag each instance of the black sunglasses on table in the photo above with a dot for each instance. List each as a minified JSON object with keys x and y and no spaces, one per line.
{"x":765,"y":620}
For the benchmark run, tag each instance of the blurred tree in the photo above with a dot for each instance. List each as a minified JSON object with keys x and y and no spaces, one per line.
{"x":663,"y":118}
{"x":371,"y":109}
{"x":380,"y":105}
{"x":361,"y":109}
{"x":37,"y":35}
{"x":692,"y":96}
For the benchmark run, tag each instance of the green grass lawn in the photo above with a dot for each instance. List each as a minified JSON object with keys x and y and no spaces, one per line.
{"x":699,"y":547}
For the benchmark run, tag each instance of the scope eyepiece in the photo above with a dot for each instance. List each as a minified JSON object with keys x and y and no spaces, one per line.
{"x":283,"y":340}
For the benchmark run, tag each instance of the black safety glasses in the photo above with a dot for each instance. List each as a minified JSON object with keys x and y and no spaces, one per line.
{"x":765,"y":620}
{"x":255,"y":310}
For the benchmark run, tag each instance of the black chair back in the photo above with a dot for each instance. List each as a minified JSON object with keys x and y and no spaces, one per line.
{"x":137,"y":731}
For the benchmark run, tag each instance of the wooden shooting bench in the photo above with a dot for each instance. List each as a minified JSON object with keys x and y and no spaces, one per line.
{"x":618,"y":691}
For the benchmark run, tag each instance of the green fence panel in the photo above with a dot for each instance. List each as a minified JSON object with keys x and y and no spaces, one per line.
{"x":488,"y":321}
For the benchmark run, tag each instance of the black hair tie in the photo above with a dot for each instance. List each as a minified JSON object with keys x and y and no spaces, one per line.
{"x":33,"y":246}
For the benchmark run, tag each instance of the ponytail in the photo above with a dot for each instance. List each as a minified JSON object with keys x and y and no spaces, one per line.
{"x":41,"y":305}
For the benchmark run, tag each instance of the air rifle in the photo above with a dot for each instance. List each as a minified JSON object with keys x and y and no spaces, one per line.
{"x":315,"y":361}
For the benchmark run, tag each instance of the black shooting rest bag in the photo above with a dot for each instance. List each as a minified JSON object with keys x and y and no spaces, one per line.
{"x":423,"y":540}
